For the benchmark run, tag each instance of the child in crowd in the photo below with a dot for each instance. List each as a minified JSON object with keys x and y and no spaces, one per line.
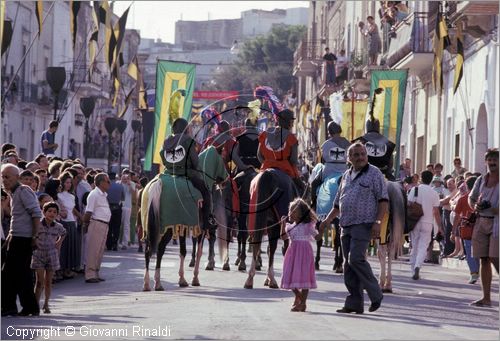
{"x":27,"y":178}
{"x":45,"y":259}
{"x":44,"y":198}
{"x":298,"y":264}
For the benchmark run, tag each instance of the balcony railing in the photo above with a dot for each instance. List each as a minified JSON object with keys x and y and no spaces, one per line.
{"x":409,"y":36}
{"x":307,"y":57}
{"x":79,"y":119}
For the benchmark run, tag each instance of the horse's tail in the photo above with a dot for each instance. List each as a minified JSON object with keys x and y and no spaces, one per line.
{"x":151,"y":213}
{"x":222,"y":223}
{"x":397,"y":209}
{"x":268,"y":194}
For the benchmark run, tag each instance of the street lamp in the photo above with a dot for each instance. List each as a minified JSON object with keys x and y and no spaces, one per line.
{"x":110,"y":125}
{"x":121,"y":125}
{"x":87,"y":105}
{"x":136,"y":127}
{"x":56,"y":76}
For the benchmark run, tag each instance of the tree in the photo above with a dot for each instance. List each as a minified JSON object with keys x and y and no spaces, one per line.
{"x":265,"y":60}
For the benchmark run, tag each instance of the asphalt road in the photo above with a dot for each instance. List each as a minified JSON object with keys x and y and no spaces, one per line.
{"x":435,"y":307}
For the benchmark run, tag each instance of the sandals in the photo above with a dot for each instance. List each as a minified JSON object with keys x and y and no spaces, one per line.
{"x":46,"y":310}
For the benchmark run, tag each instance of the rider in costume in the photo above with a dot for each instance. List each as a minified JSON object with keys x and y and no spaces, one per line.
{"x":247,"y":146}
{"x":278,"y":147}
{"x":180,"y":158}
{"x":333,"y":156}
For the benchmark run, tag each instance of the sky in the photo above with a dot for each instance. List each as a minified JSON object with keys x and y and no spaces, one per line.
{"x":156,"y":19}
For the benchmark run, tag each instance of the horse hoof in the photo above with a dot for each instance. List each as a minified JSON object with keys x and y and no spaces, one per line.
{"x":273,"y":285}
{"x":316,"y":266}
{"x":226,"y":267}
{"x":266,"y":282}
{"x":183,"y":283}
{"x":387,"y":291}
{"x":258,"y":267}
{"x":242,"y":267}
{"x":191,"y":263}
{"x":160,"y":288}
{"x":195,"y":282}
{"x":209,"y":267}
{"x":237,"y":262}
{"x":248,"y":286}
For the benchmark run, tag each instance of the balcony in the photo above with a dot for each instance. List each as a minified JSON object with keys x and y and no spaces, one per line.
{"x":307,"y":58}
{"x":477,"y":7}
{"x":410,"y":46}
{"x":87,"y":85}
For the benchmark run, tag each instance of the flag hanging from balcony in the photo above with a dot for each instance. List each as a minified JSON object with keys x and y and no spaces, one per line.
{"x":170,"y":76}
{"x":126,"y":104}
{"x":389,"y":108}
{"x":74,"y":8}
{"x":39,"y":15}
{"x":134,"y":72}
{"x":119,"y":34}
{"x":441,"y":43}
{"x":459,"y":66}
{"x":96,"y":8}
{"x":93,"y":45}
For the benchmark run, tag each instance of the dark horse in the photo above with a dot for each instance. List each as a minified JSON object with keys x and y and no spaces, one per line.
{"x":272,"y":191}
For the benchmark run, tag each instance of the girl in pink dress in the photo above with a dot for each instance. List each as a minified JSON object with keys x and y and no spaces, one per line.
{"x":298,"y":265}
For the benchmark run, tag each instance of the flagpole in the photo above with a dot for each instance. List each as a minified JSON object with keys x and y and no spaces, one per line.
{"x":24,"y":58}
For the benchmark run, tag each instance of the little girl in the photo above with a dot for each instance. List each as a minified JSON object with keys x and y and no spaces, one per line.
{"x":45,"y":258}
{"x":298,"y":265}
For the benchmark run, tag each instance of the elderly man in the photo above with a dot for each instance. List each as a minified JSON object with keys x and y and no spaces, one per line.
{"x":97,"y":216}
{"x":362,"y":202}
{"x":22,"y":238}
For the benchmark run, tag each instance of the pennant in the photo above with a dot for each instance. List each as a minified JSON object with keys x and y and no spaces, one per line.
{"x":6,"y":35}
{"x":105,"y":19}
{"x":142,"y":96}
{"x":441,"y":42}
{"x":119,"y":34}
{"x":111,"y":49}
{"x":170,"y":76}
{"x":459,"y":65}
{"x":74,"y":8}
{"x":127,"y":102}
{"x":389,"y":106}
{"x":39,"y":16}
{"x":96,"y":8}
{"x":133,"y":69}
{"x":93,"y":45}
{"x":116,"y":85}
{"x":121,"y":62}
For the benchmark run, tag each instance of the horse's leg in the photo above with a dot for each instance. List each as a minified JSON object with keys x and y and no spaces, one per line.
{"x":255,"y":243}
{"x":196,"y":282}
{"x":211,"y":250}
{"x":242,"y":238}
{"x":319,"y":244}
{"x":159,"y":255}
{"x":229,"y":231}
{"x":147,"y":256}
{"x":193,"y":252}
{"x":382,"y":257}
{"x":274,"y":235}
{"x":391,"y":256}
{"x":182,"y":255}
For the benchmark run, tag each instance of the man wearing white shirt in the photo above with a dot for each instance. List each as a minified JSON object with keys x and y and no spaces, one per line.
{"x":129,"y":190}
{"x":421,"y":235}
{"x":97,"y":216}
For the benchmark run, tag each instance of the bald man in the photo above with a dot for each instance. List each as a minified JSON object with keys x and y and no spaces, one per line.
{"x":22,"y":239}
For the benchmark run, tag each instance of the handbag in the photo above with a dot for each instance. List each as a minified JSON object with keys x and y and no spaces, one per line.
{"x":466,"y":226}
{"x":414,"y":212}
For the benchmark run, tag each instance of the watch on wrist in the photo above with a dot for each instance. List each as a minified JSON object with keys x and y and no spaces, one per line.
{"x":378,"y":222}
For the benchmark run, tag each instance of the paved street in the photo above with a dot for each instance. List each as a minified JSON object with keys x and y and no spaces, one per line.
{"x":436,"y":307}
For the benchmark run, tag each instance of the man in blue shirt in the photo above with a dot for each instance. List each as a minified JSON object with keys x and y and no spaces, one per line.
{"x":48,"y":139}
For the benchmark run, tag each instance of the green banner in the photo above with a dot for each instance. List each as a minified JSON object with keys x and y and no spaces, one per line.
{"x":389,"y":107}
{"x":171,"y":78}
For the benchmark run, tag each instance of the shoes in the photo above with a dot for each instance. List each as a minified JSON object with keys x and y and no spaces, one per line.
{"x":101,"y":279}
{"x":92,"y":280}
{"x":9,"y":313}
{"x":46,"y":310}
{"x":481,"y":303}
{"x":345,"y":310}
{"x":140,"y":249}
{"x":28,"y":313}
{"x":473,"y":278}
{"x":124,"y":247}
{"x":416,"y":273}
{"x":375,"y":305}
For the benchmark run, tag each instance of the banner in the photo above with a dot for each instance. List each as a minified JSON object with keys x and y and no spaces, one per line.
{"x":389,"y":111}
{"x":356,"y":117}
{"x":170,"y":77}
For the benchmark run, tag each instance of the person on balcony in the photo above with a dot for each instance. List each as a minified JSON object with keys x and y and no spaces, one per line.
{"x":342,"y":67}
{"x":330,"y":59}
{"x":374,"y":42}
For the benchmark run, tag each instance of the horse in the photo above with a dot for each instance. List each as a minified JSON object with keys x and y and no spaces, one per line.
{"x":271,"y":190}
{"x":389,"y":245}
{"x":178,"y":199}
{"x":324,"y":202}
